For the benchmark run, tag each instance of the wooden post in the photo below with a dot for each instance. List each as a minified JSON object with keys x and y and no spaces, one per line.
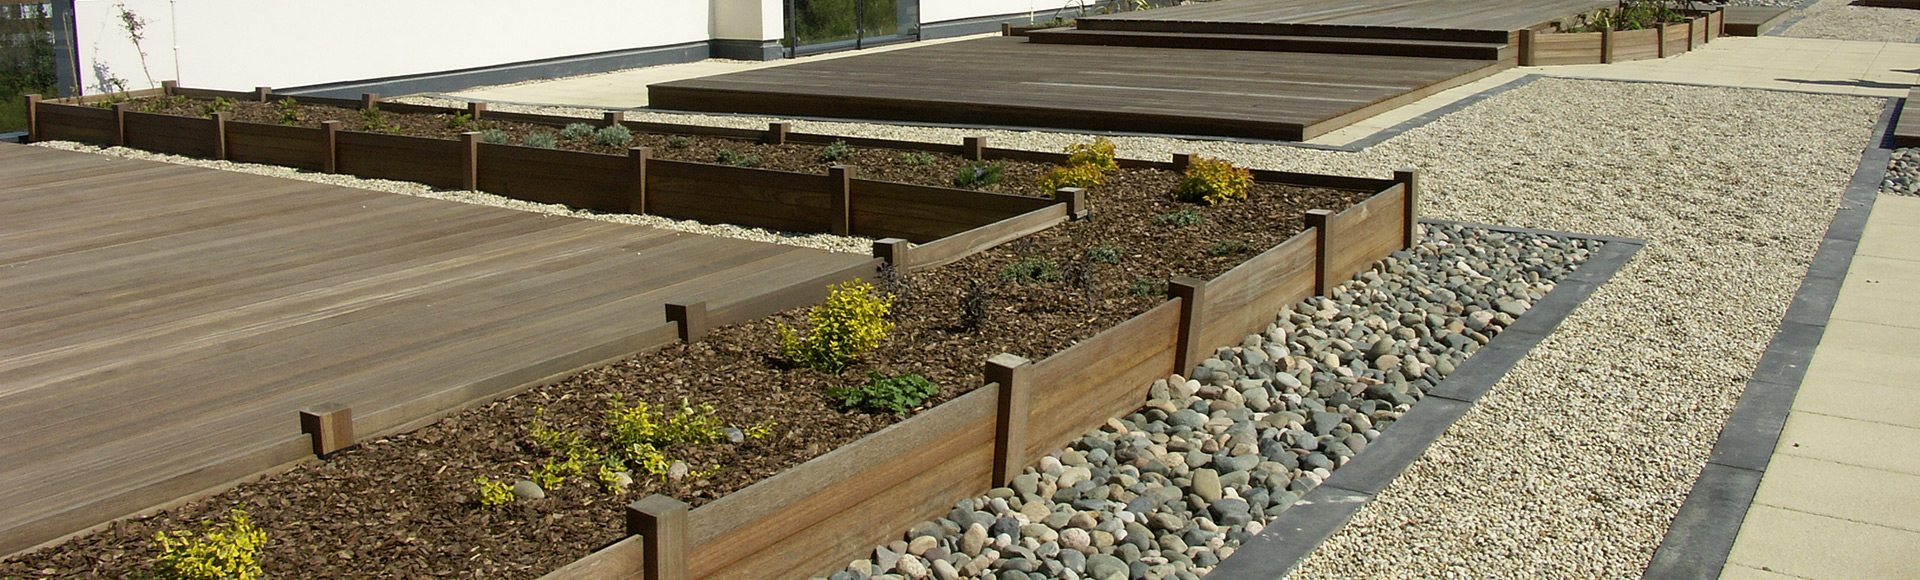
{"x":1690,"y":33}
{"x":1660,"y":40}
{"x":260,"y":93}
{"x":1015,"y":377}
{"x":1006,"y":29}
{"x":777,"y":133}
{"x":692,"y":318}
{"x":614,"y":118}
{"x":1410,"y":177}
{"x":120,"y":124}
{"x":637,"y":179}
{"x":331,"y":427}
{"x":1319,"y":220}
{"x":1606,"y":45}
{"x":974,"y":148}
{"x":369,"y":100}
{"x":475,"y":110}
{"x":1526,"y":46}
{"x":330,"y":131}
{"x":220,"y":135}
{"x":840,"y":195}
{"x":1181,"y":161}
{"x":169,"y":87}
{"x":661,"y":523}
{"x":1192,"y":293}
{"x":895,"y":251}
{"x":470,"y":161}
{"x":1076,"y":200}
{"x":33,"y":118}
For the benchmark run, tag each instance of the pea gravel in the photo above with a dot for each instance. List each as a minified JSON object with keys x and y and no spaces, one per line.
{"x":1842,"y":20}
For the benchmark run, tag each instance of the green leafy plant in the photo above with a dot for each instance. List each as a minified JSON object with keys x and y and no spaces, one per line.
{"x":916,"y":159}
{"x":491,"y":492}
{"x":851,"y":322}
{"x":884,"y":394}
{"x":376,"y":122}
{"x":1227,"y":248}
{"x":494,"y":136}
{"x":835,"y":151}
{"x":1212,"y":181}
{"x":162,"y":104}
{"x":1031,"y":271}
{"x":577,"y":131}
{"x":1149,"y":287}
{"x":1081,"y":176}
{"x":978,"y":175}
{"x":1185,"y":218}
{"x":290,"y":112}
{"x":643,"y":433}
{"x":459,"y":121}
{"x":737,"y":159}
{"x":540,"y":140}
{"x":217,"y":105}
{"x":678,"y":141}
{"x":1104,"y":254}
{"x":555,"y":472}
{"x":226,"y":550}
{"x":613,"y":135}
{"x":1098,"y":155}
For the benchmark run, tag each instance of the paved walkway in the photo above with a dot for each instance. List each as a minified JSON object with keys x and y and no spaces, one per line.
{"x":1841,"y":496}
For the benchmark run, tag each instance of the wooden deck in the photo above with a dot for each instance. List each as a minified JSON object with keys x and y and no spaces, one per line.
{"x":1461,"y":20}
{"x":1006,"y":81}
{"x":161,"y":326}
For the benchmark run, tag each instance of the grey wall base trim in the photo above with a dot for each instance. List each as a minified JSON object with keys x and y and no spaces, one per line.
{"x":1701,"y":535}
{"x":513,"y":73}
{"x":1324,"y":510}
{"x":748,"y":49}
{"x":14,"y":137}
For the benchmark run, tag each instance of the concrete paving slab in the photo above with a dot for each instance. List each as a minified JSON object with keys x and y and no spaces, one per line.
{"x":1812,"y":546}
{"x":1842,"y":491}
{"x":1851,"y":441}
{"x":1897,"y":210}
{"x":1897,"y":403}
{"x":1738,"y":572}
{"x":1892,"y":241}
{"x":1881,"y":290}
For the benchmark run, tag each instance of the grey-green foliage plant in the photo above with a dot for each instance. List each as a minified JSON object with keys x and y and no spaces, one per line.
{"x":613,"y":135}
{"x":1031,"y":271}
{"x":884,"y":394}
{"x":678,"y":141}
{"x":978,"y":175}
{"x":916,"y":159}
{"x":1185,"y":218}
{"x":737,"y":159}
{"x":835,"y":151}
{"x":577,"y":131}
{"x":540,"y":140}
{"x":1149,"y":287}
{"x":1104,"y":254}
{"x":494,"y":136}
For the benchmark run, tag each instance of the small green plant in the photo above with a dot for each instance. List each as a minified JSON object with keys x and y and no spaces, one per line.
{"x":577,"y":131}
{"x":1031,"y":271}
{"x":1149,"y":287}
{"x":884,"y":394}
{"x":459,"y":121}
{"x":159,"y":105}
{"x":540,"y":141}
{"x":835,"y":151}
{"x":736,"y":159}
{"x":916,"y":159}
{"x":217,"y":105}
{"x":1081,"y":176}
{"x":978,"y":175}
{"x":613,"y":135}
{"x":1227,"y":248}
{"x":609,"y":474}
{"x":641,"y":425}
{"x":678,"y":141}
{"x":1098,"y":155}
{"x":1185,"y":218}
{"x":1212,"y":181}
{"x":1104,"y":254}
{"x":555,"y":472}
{"x":376,"y":122}
{"x":290,"y":112}
{"x":759,"y":430}
{"x":226,"y":550}
{"x":492,"y":492}
{"x":494,"y":136}
{"x":850,"y":323}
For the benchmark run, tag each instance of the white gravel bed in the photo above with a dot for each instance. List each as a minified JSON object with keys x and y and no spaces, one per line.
{"x":1840,"y":19}
{"x":1573,"y":465}
{"x":832,"y":243}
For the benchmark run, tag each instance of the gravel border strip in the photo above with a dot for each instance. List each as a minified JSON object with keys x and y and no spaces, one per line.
{"x":1798,"y":12}
{"x":1701,"y":536}
{"x":1300,"y":530}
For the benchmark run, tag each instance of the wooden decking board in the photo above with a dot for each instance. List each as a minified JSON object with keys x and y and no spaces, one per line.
{"x":168,"y":348}
{"x":1906,"y":129}
{"x":1753,"y":20}
{"x":1461,"y":15}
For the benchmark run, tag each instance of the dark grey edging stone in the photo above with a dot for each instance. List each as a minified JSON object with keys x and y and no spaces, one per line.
{"x":1323,"y":511}
{"x":1793,"y":17}
{"x":454,"y":80}
{"x":1701,"y":535}
{"x":14,"y":137}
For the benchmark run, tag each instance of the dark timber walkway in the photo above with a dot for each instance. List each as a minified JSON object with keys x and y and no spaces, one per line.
{"x":1262,"y":69}
{"x":161,"y":326}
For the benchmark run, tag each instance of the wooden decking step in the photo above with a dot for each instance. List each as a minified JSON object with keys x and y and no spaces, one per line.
{"x":1753,"y":20}
{"x":1276,"y":43}
{"x":1906,"y":129}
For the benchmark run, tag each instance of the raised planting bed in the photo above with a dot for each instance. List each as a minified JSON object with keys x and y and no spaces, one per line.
{"x":776,"y":498}
{"x":1547,"y":47}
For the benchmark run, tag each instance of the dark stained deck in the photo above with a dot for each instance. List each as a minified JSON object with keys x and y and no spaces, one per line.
{"x":1007,"y":81}
{"x":1399,"y":18}
{"x":161,"y":326}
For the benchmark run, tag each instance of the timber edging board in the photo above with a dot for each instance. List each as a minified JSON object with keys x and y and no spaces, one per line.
{"x":1906,"y":129}
{"x":1539,"y":48}
{"x":813,"y":518}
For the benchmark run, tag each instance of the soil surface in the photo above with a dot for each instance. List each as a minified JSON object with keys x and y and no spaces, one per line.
{"x":407,"y":505}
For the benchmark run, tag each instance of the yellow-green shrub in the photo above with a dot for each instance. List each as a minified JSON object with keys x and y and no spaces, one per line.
{"x":850,"y":323}
{"x":225,"y":551}
{"x":1081,"y":176}
{"x":640,"y":425}
{"x":1212,"y":181}
{"x":493,"y":492}
{"x":1098,"y":155}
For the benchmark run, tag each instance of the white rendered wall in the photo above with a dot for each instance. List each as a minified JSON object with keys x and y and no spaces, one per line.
{"x":749,"y":19}
{"x":932,"y":11}
{"x":241,"y":44}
